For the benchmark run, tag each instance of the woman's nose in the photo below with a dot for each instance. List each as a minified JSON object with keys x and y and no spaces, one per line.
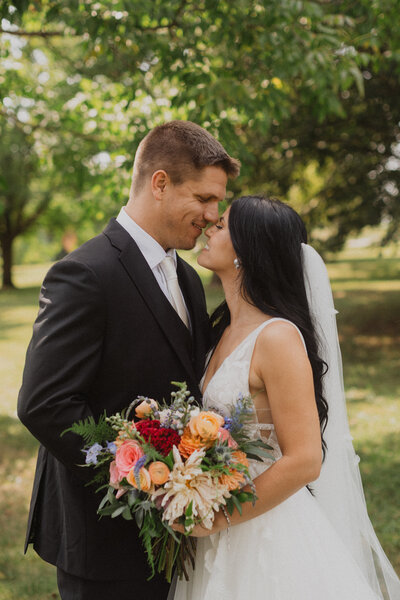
{"x":208,"y":232}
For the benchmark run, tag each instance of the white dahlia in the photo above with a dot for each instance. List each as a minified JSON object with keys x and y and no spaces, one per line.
{"x":188,"y":483}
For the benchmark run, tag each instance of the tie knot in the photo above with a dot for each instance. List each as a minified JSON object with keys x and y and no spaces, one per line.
{"x":168,"y":266}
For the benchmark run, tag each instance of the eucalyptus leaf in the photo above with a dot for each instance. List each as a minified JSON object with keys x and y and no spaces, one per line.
{"x":118,"y":511}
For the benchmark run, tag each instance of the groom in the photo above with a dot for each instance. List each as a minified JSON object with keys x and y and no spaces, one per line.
{"x":121,"y":316}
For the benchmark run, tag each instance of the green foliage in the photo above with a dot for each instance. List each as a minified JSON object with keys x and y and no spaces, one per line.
{"x":238,"y":498}
{"x":161,"y":543}
{"x":189,"y":518}
{"x":92,"y":431}
{"x":151,"y":453}
{"x":285,"y":85}
{"x":257,"y":450}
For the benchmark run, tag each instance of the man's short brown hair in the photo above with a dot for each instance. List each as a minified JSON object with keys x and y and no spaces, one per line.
{"x":180,"y":148}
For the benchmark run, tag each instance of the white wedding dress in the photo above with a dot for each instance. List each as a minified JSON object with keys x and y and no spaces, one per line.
{"x":291,"y":552}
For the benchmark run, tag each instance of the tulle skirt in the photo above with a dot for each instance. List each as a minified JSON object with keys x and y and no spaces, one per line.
{"x":289,"y":553}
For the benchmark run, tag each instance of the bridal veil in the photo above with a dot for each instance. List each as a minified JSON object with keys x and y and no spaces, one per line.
{"x":339,"y":489}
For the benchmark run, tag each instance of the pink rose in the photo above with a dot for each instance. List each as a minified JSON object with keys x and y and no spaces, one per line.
{"x":115,"y":476}
{"x":127,"y":456}
{"x":225,"y":436}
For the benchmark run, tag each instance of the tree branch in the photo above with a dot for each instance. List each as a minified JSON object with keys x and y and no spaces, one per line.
{"x":23,"y":33}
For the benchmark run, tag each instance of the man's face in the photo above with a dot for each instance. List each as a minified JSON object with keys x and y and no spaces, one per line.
{"x":190,"y":206}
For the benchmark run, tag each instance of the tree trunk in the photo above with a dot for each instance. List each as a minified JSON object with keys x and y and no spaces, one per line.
{"x":6,"y":242}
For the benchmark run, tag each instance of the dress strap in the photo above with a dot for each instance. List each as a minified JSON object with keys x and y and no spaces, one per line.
{"x":258,"y":330}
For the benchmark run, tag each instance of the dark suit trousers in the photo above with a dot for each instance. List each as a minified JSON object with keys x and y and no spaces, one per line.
{"x":77,"y":588}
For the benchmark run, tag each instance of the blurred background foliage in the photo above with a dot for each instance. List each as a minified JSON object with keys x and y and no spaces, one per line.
{"x":304,"y":93}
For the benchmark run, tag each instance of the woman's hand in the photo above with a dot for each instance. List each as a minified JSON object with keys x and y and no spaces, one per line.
{"x":220,"y":523}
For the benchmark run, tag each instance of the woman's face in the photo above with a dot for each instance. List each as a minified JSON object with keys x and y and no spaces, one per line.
{"x":218,"y":254}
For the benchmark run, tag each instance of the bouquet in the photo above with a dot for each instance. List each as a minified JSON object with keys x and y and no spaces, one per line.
{"x":172,"y":462}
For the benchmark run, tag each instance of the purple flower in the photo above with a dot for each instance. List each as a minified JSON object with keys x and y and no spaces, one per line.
{"x":228,"y":423}
{"x":140,"y":463}
{"x":92,"y":453}
{"x":111,"y":447}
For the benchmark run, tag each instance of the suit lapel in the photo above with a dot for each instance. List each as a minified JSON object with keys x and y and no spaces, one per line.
{"x":142,"y":277}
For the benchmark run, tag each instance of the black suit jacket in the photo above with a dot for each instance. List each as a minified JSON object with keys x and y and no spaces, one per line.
{"x":105,"y":333}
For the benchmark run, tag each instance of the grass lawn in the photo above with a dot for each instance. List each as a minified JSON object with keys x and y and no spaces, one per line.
{"x":367,"y":295}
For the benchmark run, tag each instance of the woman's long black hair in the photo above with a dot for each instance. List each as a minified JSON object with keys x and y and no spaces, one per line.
{"x":267,"y":235}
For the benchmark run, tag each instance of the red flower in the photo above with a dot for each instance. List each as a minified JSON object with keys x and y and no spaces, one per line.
{"x":162,"y":438}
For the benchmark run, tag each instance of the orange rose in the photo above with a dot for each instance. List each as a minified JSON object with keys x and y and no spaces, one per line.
{"x":235,"y":479}
{"x":206,"y":424}
{"x":189,"y":443}
{"x":159,"y":472}
{"x":144,"y":479}
{"x":145,"y":408}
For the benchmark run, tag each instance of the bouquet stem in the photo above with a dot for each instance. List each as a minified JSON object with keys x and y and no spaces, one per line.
{"x":170,"y":553}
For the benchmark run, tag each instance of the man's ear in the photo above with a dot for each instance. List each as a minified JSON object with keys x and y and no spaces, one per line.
{"x":159,"y":182}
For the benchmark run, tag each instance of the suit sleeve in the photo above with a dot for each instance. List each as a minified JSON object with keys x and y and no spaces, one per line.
{"x":62,"y":360}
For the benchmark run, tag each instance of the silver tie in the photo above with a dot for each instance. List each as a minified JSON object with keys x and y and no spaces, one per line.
{"x":168,"y":267}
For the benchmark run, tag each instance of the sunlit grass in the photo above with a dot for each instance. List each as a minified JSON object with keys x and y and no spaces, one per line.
{"x":367,"y":295}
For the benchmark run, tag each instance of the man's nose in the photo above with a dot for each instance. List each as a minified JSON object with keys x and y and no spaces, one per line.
{"x":211,"y":212}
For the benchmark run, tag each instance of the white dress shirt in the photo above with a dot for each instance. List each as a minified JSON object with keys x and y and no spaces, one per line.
{"x":151,"y":250}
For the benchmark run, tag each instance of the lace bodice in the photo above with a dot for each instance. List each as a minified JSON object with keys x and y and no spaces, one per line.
{"x":232,"y":379}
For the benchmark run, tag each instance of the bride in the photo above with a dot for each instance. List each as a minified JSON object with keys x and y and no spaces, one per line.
{"x":308,"y":536}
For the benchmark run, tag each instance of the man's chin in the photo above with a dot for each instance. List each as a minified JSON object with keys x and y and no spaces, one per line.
{"x":185,"y":244}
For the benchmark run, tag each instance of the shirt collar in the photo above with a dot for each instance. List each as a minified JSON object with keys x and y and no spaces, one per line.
{"x":148,"y":246}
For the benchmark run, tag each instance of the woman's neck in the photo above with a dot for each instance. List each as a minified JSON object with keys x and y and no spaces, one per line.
{"x":242,"y":312}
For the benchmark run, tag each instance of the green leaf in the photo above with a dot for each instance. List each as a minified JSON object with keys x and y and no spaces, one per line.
{"x":126,"y":513}
{"x":139,"y":517}
{"x":237,"y":504}
{"x":230,"y":505}
{"x":91,"y":431}
{"x":253,"y":456}
{"x":355,"y":71}
{"x":189,"y":509}
{"x":132,"y":497}
{"x":118,"y":511}
{"x":173,"y":533}
{"x":169,"y":460}
{"x":103,"y":502}
{"x":244,"y":496}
